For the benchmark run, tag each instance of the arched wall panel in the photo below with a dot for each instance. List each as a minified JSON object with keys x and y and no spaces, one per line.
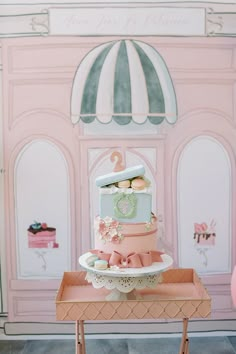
{"x":204,"y":195}
{"x":41,"y":184}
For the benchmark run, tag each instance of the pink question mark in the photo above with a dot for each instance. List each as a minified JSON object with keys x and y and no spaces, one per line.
{"x":117,"y":158}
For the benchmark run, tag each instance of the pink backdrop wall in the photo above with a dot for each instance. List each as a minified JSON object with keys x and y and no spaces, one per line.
{"x":37,"y":82}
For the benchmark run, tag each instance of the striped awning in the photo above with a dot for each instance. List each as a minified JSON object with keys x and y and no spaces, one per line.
{"x":123,"y":80}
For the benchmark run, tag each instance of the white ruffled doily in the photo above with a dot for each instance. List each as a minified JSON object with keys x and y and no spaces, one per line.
{"x":121,"y":286}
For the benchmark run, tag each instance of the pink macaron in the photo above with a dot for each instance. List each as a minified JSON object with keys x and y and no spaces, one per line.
{"x":138,"y":184}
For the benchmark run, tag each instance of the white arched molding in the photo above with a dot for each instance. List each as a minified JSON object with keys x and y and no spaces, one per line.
{"x":204,"y":195}
{"x":42,"y":194}
{"x":3,"y":282}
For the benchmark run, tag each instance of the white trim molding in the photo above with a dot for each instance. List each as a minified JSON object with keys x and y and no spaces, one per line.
{"x":105,"y":2}
{"x":3,"y":282}
{"x":24,"y":24}
{"x":190,"y":18}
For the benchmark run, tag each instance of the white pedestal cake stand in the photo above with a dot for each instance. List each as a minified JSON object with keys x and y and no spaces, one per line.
{"x":124,"y":281}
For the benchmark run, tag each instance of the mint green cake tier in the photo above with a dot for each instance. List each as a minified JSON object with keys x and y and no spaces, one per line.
{"x":134,"y":207}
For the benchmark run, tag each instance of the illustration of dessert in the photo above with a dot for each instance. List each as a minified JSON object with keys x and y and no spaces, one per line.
{"x":40,"y":235}
{"x":204,"y":234}
{"x":204,"y":239}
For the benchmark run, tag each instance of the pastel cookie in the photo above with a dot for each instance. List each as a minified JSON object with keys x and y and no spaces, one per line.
{"x":91,"y":258}
{"x":138,"y":184}
{"x":124,"y":184}
{"x":100,"y":264}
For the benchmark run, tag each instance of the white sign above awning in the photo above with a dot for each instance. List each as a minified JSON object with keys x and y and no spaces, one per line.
{"x":167,"y":21}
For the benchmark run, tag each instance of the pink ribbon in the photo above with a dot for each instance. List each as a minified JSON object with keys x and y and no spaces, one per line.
{"x":133,"y":260}
{"x":200,"y":228}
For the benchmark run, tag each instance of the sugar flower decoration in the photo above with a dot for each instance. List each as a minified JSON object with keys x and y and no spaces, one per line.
{"x":108,"y":230}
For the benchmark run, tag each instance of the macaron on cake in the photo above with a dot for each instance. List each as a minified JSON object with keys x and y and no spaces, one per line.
{"x":124,"y":184}
{"x":138,"y":184}
{"x":101,"y":264}
{"x":91,"y":258}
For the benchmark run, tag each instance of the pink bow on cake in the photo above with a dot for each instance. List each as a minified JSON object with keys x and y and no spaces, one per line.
{"x":200,"y":228}
{"x":133,"y":260}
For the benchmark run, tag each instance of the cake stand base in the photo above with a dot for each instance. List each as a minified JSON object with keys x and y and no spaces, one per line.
{"x":123,"y":282}
{"x":123,"y":287}
{"x":116,"y":295}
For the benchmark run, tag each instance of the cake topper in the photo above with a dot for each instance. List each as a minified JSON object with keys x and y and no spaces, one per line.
{"x":117,"y":158}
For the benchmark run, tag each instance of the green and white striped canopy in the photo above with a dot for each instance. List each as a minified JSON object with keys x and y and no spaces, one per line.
{"x":123,"y":80}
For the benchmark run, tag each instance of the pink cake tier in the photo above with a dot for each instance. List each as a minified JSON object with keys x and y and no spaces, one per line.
{"x":120,"y":240}
{"x":204,"y":239}
{"x":42,"y":237}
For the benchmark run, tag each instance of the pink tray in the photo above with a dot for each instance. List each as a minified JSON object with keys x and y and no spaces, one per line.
{"x":180,"y":295}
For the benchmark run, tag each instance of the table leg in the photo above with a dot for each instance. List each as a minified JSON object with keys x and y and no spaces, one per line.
{"x":81,"y":323}
{"x":79,"y":338}
{"x":184,"y":348}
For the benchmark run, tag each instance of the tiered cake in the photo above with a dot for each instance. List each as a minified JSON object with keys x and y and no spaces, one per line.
{"x":126,"y":228}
